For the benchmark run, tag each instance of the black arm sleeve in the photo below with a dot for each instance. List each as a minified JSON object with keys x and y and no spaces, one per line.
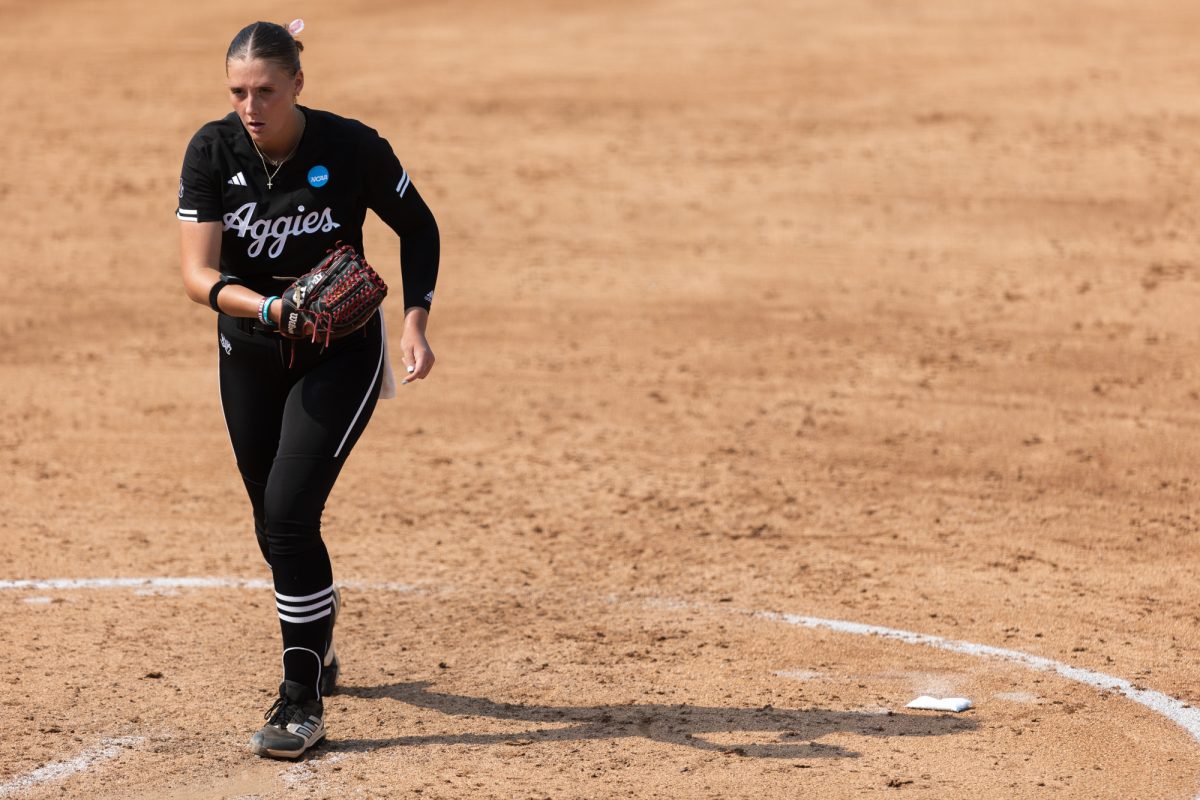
{"x":391,"y":195}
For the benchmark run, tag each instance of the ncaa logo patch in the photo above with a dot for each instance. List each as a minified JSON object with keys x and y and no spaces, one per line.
{"x":318,"y":176}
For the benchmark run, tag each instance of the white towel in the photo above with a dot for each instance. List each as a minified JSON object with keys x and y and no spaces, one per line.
{"x":388,"y":388}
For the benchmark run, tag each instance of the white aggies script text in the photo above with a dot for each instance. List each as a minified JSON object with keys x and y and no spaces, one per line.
{"x":278,"y":229}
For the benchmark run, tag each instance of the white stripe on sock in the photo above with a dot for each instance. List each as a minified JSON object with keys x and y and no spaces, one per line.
{"x":325,"y":613}
{"x":327,"y":602}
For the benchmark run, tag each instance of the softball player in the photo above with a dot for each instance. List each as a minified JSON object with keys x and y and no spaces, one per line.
{"x":263,"y":194}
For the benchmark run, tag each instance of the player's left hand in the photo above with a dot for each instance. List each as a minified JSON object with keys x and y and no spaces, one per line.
{"x":414,"y":348}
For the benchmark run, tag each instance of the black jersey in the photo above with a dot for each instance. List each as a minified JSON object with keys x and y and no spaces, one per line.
{"x":319,"y":197}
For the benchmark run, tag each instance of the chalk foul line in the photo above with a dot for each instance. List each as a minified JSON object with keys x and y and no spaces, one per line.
{"x":179,"y":583}
{"x":1179,"y":712}
{"x":57,"y":770}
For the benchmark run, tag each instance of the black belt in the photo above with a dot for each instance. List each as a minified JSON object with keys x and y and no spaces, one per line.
{"x":254,"y":325}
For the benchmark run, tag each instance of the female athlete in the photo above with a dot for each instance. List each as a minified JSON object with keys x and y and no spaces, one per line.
{"x":264,"y":193}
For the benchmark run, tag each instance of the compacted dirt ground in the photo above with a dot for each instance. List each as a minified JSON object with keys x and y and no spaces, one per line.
{"x":873,"y":312}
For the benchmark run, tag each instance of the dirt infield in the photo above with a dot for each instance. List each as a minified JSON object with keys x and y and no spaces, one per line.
{"x":874,"y":312}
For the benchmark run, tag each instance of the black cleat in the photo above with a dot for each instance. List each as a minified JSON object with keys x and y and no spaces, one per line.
{"x":295,"y":723}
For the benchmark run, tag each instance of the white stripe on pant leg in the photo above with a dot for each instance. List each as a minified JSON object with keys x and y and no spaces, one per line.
{"x":363,"y":404}
{"x":287,"y":598}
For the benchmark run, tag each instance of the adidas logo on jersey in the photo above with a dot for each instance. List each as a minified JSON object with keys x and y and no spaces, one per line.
{"x":237,"y":180}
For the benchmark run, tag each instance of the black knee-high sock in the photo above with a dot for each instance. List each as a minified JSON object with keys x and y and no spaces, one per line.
{"x":304,"y":599}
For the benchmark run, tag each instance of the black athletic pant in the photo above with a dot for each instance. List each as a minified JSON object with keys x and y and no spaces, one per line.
{"x":292,"y":427}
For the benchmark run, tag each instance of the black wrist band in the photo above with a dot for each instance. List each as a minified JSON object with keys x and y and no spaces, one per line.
{"x":214,"y":291}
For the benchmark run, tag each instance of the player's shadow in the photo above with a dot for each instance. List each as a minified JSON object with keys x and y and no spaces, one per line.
{"x":797,"y":729}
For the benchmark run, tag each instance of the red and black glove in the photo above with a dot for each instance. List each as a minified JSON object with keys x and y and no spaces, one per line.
{"x":335,"y":298}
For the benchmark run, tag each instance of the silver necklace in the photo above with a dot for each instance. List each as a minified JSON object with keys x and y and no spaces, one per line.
{"x":278,"y":164}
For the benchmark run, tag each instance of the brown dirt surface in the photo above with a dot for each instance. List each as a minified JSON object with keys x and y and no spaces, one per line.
{"x":868,"y":311}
